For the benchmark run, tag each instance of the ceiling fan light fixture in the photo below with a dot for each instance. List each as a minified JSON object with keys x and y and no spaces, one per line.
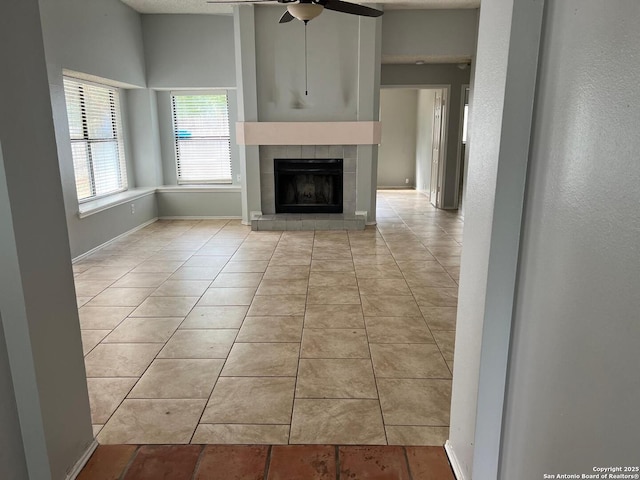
{"x":305,"y":11}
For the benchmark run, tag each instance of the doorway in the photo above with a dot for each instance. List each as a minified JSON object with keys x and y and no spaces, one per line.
{"x":413,"y":149}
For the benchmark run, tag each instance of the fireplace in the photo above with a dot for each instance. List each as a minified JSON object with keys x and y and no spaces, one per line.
{"x":308,"y":185}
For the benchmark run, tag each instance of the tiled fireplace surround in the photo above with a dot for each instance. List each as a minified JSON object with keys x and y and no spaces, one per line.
{"x":349,"y":155}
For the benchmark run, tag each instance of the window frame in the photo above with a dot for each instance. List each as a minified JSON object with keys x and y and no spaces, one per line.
{"x":175,"y":93}
{"x":118,"y":138}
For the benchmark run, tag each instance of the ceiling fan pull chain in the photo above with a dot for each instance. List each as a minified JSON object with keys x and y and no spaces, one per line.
{"x":306,"y":69}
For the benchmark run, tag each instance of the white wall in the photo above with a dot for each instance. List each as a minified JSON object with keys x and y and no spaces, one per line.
{"x":189,"y":51}
{"x":434,"y":35}
{"x":424,"y":138}
{"x":332,"y":61}
{"x":12,"y":459}
{"x":186,"y":52}
{"x":573,"y":392}
{"x":37,"y":301}
{"x":369,"y":62}
{"x":397,"y":151}
{"x":504,"y":86}
{"x":101,"y":38}
{"x":145,"y":157}
{"x":244,"y":33}
{"x":199,"y":204}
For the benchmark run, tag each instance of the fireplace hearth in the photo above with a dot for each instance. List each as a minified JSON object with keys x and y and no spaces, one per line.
{"x":308,"y":185}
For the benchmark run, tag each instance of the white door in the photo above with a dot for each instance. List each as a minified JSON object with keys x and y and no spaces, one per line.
{"x":435,"y":189}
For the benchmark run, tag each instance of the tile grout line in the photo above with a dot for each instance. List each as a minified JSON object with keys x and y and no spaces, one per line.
{"x":430,"y":330}
{"x":373,"y":371}
{"x":208,"y":400}
{"x":406,"y":459}
{"x":295,"y":386}
{"x":138,"y":377}
{"x":425,"y":321}
{"x":267,"y":463}
{"x":129,"y":463}
{"x":119,"y":404}
{"x":197,"y":465}
{"x":413,"y":295}
{"x":241,"y":423}
{"x":164,"y":344}
{"x":415,"y":300}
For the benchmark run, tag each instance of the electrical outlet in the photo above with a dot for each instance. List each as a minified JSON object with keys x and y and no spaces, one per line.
{"x":133,"y":208}
{"x":406,"y":180}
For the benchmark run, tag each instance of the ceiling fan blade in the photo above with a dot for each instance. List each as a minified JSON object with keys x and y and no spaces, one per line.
{"x":236,"y":2}
{"x":286,"y":17}
{"x":352,"y":8}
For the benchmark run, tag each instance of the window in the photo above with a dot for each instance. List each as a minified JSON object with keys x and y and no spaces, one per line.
{"x":96,"y":138}
{"x":201,"y":132}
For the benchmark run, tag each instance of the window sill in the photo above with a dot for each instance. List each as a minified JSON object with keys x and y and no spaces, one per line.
{"x":199,"y":188}
{"x":95,"y":206}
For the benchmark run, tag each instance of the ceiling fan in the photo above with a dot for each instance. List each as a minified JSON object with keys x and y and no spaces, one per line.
{"x":306,"y":10}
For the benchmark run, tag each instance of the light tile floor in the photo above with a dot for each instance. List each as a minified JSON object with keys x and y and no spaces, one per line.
{"x":207,"y":332}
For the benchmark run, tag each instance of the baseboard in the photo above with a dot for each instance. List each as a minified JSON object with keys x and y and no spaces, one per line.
{"x":397,"y":187}
{"x":365,"y":214}
{"x":212,"y":217}
{"x":95,"y":249}
{"x":82,"y":461}
{"x":453,"y":460}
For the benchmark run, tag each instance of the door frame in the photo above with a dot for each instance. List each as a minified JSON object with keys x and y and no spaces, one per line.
{"x":442,"y":150}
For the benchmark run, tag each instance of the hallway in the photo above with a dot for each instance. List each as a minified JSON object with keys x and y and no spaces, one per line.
{"x":205,"y":332}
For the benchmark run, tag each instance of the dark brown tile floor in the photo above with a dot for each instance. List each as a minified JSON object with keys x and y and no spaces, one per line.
{"x":263,"y":462}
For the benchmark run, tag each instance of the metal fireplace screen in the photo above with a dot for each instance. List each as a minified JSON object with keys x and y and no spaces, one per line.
{"x":308,"y":185}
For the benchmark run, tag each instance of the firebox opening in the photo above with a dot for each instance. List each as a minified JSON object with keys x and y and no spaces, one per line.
{"x":308,"y":185}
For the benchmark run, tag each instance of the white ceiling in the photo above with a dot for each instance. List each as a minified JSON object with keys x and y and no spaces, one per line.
{"x":201,"y":6}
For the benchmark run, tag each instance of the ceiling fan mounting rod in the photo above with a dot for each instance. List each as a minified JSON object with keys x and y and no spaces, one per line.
{"x":306,"y":69}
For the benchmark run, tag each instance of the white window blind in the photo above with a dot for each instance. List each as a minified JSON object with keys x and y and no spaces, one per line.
{"x":201,"y":131}
{"x":96,"y":138}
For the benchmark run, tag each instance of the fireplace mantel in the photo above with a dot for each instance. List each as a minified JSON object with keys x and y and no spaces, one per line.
{"x":308,"y":133}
